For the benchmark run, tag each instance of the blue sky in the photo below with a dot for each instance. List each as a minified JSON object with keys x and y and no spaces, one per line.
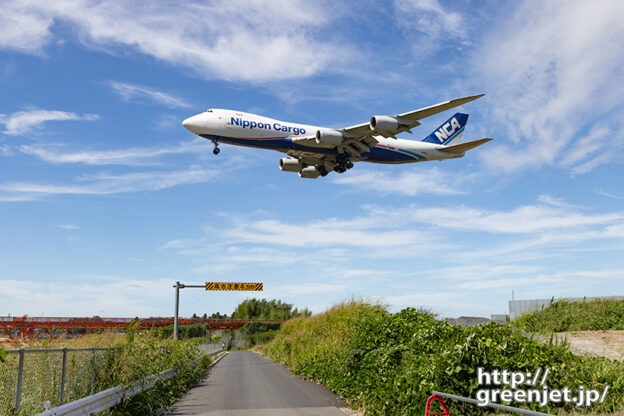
{"x":106,"y":200}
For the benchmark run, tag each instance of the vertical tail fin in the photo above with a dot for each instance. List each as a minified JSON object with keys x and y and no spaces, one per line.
{"x":450,"y":132}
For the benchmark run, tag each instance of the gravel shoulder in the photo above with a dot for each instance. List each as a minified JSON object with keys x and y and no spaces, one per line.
{"x":608,"y":344}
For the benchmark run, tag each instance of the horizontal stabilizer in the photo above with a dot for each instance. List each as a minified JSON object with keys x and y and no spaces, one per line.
{"x":462,"y":147}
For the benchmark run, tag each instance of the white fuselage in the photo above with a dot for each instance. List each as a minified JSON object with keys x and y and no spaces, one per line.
{"x":246,"y":129}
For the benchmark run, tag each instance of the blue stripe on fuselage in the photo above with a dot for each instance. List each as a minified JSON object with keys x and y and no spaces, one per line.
{"x":376,"y":155}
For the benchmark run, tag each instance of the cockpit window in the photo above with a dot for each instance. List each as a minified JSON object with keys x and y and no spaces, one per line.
{"x":209,"y":111}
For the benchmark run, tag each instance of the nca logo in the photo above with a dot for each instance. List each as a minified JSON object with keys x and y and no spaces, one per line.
{"x":447,"y":130}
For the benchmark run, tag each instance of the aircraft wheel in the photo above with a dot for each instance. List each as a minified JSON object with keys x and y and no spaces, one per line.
{"x":216,"y":150}
{"x":349,"y":165}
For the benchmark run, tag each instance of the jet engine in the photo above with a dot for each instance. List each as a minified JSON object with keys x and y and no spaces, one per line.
{"x":384,"y":123}
{"x":332,"y":137}
{"x":309,"y":172}
{"x":290,"y":164}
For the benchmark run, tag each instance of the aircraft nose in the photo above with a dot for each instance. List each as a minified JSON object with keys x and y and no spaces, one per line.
{"x":193,"y":123}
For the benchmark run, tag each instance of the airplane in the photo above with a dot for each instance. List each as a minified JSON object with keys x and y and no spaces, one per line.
{"x":315,"y":151}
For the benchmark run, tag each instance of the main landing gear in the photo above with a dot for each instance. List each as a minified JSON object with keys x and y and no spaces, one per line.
{"x":216,"y":150}
{"x":343,"y":164}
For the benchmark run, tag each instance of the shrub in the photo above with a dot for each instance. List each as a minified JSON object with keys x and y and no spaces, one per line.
{"x":388,"y":364}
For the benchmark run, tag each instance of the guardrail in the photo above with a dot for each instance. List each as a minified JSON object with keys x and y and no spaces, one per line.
{"x":32,"y":376}
{"x":503,"y":407}
{"x":106,"y":399}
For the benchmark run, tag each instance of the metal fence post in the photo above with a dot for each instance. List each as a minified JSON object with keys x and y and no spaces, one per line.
{"x":63,"y":375}
{"x":20,"y":371}
{"x":92,"y":371}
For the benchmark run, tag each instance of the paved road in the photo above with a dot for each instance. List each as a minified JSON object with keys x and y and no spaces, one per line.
{"x":243,"y":383}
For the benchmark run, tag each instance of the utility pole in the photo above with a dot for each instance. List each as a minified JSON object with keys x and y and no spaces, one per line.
{"x":177,"y":286}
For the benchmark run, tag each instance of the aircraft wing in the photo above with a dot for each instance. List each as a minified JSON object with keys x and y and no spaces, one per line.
{"x":410,"y":119}
{"x":359,"y":139}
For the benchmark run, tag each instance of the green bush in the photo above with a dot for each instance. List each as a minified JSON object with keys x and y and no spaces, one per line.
{"x":584,"y":315}
{"x":143,"y":359}
{"x":388,"y":364}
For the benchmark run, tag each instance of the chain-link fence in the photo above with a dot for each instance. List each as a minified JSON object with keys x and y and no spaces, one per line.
{"x":29,"y":378}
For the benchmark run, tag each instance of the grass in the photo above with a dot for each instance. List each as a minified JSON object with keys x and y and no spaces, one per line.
{"x":584,"y":315}
{"x":388,"y":364}
{"x":134,"y":356}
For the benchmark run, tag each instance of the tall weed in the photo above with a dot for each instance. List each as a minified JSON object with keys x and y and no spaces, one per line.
{"x":581,"y":315}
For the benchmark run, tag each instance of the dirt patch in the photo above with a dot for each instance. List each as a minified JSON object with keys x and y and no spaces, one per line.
{"x":608,"y":344}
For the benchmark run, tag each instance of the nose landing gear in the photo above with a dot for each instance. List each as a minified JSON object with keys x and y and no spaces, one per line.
{"x":216,"y":149}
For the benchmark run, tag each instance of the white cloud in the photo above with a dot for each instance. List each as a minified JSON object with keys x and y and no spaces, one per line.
{"x":543,"y":82}
{"x":556,"y":202}
{"x":310,"y":288}
{"x":409,"y":183}
{"x":429,"y":17}
{"x":114,"y":297}
{"x":331,"y":232}
{"x":6,"y":150}
{"x":130,"y":92}
{"x":23,"y":28}
{"x":609,"y":195}
{"x":23,"y":122}
{"x":107,"y":184}
{"x":132,"y":156}
{"x":68,"y":226}
{"x":253,"y":40}
{"x":428,"y":27}
{"x":524,"y":233}
{"x":522,"y":220}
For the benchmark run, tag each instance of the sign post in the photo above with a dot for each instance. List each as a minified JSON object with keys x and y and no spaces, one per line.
{"x":209,"y":286}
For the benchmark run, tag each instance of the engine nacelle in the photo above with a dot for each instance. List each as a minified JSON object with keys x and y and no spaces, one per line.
{"x":290,"y":164}
{"x":309,"y":172}
{"x":332,"y":137}
{"x":384,"y":123}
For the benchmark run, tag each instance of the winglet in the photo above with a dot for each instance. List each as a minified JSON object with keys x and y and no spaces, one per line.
{"x":463,"y":147}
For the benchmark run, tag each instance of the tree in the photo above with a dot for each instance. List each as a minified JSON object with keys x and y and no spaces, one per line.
{"x":263,"y":309}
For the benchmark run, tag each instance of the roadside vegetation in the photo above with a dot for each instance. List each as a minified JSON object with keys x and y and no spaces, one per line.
{"x":582,"y":315}
{"x":252,"y":333}
{"x":388,"y":364}
{"x":133,"y":356}
{"x":260,"y":332}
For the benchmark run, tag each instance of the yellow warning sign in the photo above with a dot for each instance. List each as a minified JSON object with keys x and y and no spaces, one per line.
{"x":233,"y":286}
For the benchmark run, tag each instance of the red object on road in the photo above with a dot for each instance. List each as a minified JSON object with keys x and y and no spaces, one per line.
{"x":430,"y":400}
